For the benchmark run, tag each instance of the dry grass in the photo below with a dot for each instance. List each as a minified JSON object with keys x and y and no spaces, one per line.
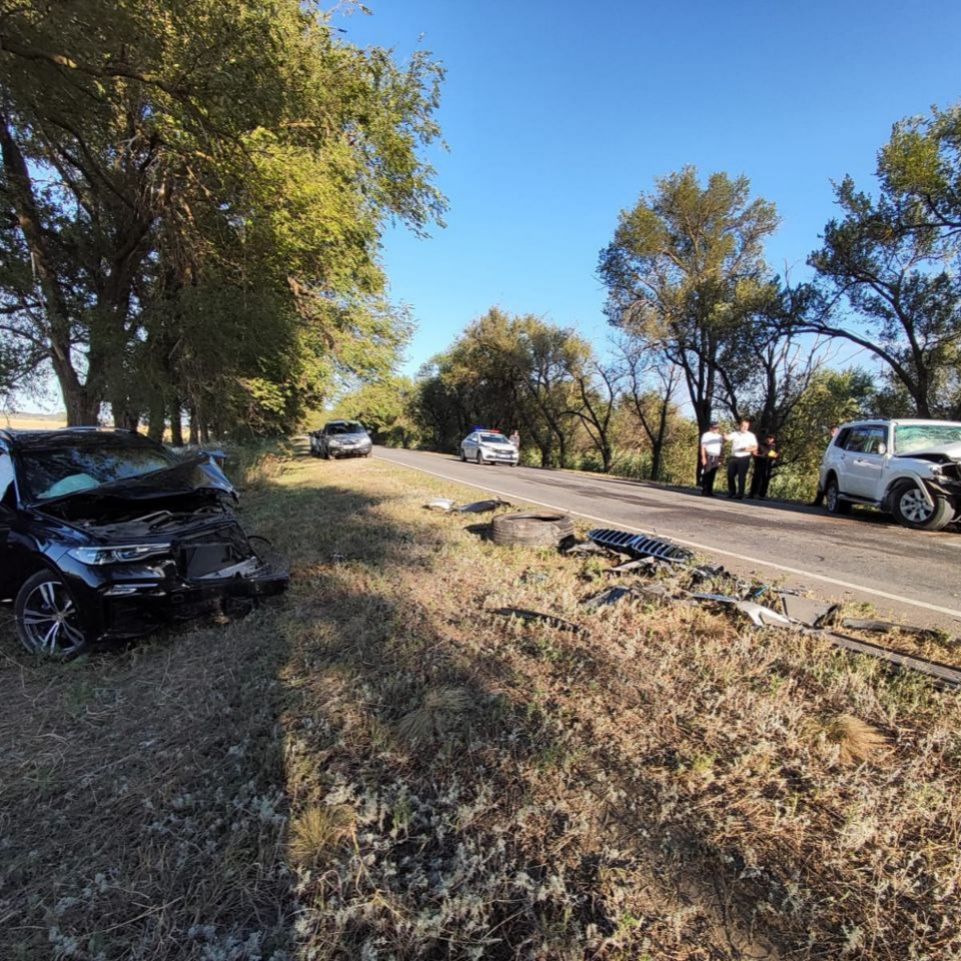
{"x":379,"y":767}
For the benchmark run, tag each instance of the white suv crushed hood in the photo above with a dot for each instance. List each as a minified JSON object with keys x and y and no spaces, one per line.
{"x":947,"y":451}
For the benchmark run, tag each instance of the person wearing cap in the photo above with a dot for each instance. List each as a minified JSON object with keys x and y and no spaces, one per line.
{"x":712,"y":445}
{"x":743,"y":445}
{"x":764,"y":460}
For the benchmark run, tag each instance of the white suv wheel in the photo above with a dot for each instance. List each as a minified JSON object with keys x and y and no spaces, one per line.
{"x":914,"y":507}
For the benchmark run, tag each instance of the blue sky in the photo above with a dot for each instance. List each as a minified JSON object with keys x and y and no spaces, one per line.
{"x":558,"y":115}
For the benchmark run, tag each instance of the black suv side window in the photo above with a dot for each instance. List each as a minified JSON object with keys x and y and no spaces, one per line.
{"x":7,"y":493}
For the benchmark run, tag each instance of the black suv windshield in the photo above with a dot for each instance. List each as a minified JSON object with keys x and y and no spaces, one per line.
{"x":68,"y":468}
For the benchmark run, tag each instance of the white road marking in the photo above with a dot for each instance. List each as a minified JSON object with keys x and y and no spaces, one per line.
{"x":706,"y":548}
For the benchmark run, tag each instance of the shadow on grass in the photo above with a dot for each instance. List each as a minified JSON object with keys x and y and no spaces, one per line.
{"x":338,"y":773}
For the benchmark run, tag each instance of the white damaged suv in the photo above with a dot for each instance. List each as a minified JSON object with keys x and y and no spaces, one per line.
{"x":910,"y":468}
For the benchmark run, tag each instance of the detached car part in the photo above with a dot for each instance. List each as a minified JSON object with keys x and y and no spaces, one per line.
{"x":607,"y":597}
{"x":531,"y":529}
{"x":106,"y":534}
{"x":761,"y":616}
{"x":482,"y":507}
{"x":640,"y":545}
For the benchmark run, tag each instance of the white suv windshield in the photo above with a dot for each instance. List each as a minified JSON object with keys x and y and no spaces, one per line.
{"x":909,"y":438}
{"x":493,"y":439}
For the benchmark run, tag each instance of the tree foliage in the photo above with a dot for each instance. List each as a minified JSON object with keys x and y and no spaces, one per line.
{"x":685,"y":274}
{"x":890,"y":265}
{"x":509,"y":372}
{"x":193,"y":193}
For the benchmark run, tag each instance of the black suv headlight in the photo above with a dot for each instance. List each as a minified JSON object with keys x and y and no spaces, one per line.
{"x":121,"y":554}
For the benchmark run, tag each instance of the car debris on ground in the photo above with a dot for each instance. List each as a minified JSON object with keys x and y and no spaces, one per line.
{"x":482,"y":507}
{"x":761,"y":616}
{"x":669,"y":577}
{"x":607,"y":597}
{"x":441,"y":504}
{"x":887,"y":627}
{"x":446,"y":505}
{"x":640,"y":545}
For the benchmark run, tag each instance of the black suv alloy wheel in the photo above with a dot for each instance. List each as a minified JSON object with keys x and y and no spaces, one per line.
{"x":47,"y":617}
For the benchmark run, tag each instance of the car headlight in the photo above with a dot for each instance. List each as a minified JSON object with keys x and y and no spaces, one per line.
{"x":121,"y":554}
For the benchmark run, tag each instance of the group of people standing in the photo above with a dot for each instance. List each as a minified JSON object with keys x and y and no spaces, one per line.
{"x":744,"y":449}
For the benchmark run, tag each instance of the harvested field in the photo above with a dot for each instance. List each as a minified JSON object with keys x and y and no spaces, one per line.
{"x":18,"y":421}
{"x":381,"y":767}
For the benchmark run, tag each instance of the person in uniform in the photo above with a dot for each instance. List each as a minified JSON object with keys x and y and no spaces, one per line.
{"x":743,"y":446}
{"x":764,"y":460}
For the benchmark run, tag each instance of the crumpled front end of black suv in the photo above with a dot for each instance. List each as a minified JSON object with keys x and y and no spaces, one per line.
{"x":191,"y":573}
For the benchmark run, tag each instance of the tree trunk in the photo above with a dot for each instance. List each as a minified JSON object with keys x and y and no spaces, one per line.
{"x":155,"y":419}
{"x":82,"y":402}
{"x":194,"y":429}
{"x":82,"y":410}
{"x":176,"y":424}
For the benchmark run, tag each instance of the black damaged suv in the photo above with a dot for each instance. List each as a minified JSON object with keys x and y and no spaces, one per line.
{"x":106,"y":534}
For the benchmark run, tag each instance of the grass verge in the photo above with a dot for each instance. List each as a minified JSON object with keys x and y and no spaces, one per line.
{"x":378,"y":766}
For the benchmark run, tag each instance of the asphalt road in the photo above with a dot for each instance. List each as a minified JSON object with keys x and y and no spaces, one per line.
{"x":911,"y":575}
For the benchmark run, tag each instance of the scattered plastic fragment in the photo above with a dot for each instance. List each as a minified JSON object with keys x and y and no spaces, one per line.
{"x":480,"y":507}
{"x":649,"y":564}
{"x":587,"y":548}
{"x":610,"y":595}
{"x":761,"y":616}
{"x":884,"y":627}
{"x":443,"y":504}
{"x":808,"y":611}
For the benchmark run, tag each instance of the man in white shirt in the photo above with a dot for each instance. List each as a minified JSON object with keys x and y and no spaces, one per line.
{"x":712,"y":444}
{"x":743,"y":446}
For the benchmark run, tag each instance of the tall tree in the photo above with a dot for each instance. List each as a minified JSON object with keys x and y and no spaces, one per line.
{"x":160,"y":152}
{"x":890,"y":265}
{"x":685,"y":272}
{"x":767,"y":366}
{"x":651,"y":383}
{"x":506,"y":371}
{"x":598,"y":397}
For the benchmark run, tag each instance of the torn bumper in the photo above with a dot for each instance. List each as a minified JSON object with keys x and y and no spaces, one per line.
{"x":134,"y":606}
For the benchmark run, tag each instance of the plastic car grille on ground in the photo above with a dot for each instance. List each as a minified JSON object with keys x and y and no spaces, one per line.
{"x":639,"y":545}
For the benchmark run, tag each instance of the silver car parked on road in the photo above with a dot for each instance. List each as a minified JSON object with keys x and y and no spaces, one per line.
{"x":341,"y":438}
{"x":488,"y":447}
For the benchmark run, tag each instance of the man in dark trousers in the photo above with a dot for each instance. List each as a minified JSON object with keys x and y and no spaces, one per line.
{"x":764,"y":460}
{"x":712,"y":444}
{"x":743,"y":445}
